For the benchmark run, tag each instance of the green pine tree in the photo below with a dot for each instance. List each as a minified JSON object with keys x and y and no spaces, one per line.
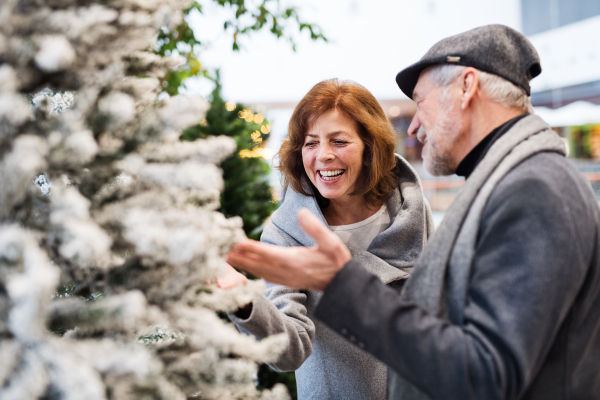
{"x":247,"y":191}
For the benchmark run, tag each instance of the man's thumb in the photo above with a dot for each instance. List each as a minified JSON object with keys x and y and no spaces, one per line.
{"x":311,"y":224}
{"x":327,"y":241}
{"x":317,"y":230}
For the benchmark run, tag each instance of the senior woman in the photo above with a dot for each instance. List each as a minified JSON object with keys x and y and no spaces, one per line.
{"x":339,"y":163}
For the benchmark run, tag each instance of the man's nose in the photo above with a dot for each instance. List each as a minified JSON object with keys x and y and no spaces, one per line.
{"x":415,"y":124}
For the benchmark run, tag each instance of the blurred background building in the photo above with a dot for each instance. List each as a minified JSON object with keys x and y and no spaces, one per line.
{"x":565,"y":33}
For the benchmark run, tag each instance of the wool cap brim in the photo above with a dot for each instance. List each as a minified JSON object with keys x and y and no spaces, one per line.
{"x":496,"y":49}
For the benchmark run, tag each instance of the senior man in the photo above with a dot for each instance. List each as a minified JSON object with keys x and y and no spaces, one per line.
{"x":504,"y":302}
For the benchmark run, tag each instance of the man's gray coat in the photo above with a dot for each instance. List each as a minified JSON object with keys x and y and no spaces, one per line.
{"x":504,"y":303}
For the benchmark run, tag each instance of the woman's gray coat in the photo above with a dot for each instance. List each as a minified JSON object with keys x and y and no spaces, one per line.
{"x":328,"y":366}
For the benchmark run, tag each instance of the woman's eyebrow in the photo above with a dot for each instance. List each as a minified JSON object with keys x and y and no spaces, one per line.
{"x":328,"y":134}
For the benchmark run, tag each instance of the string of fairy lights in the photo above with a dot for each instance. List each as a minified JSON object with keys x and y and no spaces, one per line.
{"x":248,"y":115}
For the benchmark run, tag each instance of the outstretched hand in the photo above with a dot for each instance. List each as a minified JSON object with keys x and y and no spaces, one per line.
{"x":310,"y":268}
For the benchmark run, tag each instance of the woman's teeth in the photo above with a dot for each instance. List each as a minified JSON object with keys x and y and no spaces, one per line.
{"x":331,"y":175}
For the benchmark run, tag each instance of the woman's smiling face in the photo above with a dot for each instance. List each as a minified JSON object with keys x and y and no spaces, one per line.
{"x":332,"y":154}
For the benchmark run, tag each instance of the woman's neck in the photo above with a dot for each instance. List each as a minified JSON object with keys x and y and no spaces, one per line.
{"x":348,"y":210}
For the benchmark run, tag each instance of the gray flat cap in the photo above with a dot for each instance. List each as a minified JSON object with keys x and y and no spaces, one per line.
{"x":496,"y":49}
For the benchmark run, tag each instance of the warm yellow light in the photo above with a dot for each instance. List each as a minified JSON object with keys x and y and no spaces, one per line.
{"x":259,"y":118}
{"x":256,"y":137}
{"x":257,"y":152}
{"x":265,"y":129}
{"x":394,"y":111}
{"x":230,"y":106}
{"x":246,"y":114}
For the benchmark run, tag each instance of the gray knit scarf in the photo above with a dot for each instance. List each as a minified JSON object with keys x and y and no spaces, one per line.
{"x":451,"y":249}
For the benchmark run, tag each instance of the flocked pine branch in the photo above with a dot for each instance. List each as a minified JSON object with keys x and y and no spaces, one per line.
{"x":108,"y":228}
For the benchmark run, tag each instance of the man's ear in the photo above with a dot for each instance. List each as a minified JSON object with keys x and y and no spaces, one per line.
{"x":470,"y":85}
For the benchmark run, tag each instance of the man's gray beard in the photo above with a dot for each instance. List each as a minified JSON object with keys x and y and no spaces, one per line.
{"x":436,"y":163}
{"x":437,"y":166}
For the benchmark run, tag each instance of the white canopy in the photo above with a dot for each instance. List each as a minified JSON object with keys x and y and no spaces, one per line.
{"x":574,"y":114}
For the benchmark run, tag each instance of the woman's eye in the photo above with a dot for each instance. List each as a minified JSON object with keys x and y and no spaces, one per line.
{"x":340,"y":142}
{"x":309,"y":144}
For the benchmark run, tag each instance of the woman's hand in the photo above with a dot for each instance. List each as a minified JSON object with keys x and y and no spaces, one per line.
{"x":231,"y":278}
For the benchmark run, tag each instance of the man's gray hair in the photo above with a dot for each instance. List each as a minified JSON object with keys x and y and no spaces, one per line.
{"x":497,"y":89}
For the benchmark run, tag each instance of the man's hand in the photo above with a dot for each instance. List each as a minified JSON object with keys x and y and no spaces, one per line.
{"x":310,"y":268}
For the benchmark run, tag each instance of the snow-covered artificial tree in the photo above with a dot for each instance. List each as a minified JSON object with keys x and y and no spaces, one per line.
{"x":108,"y":234}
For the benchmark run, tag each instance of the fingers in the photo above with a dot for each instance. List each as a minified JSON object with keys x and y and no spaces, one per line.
{"x":327,"y":241}
{"x":261,"y":250}
{"x":258,"y":266}
{"x":315,"y":228}
{"x":243,"y":260}
{"x":249,"y":262}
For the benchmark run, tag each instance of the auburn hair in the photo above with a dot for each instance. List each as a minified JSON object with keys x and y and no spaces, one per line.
{"x":378,"y":178}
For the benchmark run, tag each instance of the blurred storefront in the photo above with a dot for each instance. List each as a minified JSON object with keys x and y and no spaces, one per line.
{"x":582,"y":140}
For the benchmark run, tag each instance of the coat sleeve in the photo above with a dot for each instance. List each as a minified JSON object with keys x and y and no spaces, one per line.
{"x":526,"y":274}
{"x":281,"y":310}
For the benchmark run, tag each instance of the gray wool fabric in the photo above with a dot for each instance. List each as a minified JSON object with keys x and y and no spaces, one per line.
{"x":496,"y":49}
{"x":440,"y":279}
{"x":327,"y":365}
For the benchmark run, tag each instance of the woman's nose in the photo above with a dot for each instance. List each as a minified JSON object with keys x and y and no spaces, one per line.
{"x":325,"y":153}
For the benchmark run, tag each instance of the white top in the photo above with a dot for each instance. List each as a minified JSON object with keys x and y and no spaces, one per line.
{"x":361,"y":234}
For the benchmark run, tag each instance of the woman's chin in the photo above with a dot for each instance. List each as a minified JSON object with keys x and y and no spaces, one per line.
{"x":330,"y":193}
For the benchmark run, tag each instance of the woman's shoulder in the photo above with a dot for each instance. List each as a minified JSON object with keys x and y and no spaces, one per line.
{"x":405,"y":171}
{"x":293,"y":201}
{"x":272,"y":234}
{"x":283,"y":229}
